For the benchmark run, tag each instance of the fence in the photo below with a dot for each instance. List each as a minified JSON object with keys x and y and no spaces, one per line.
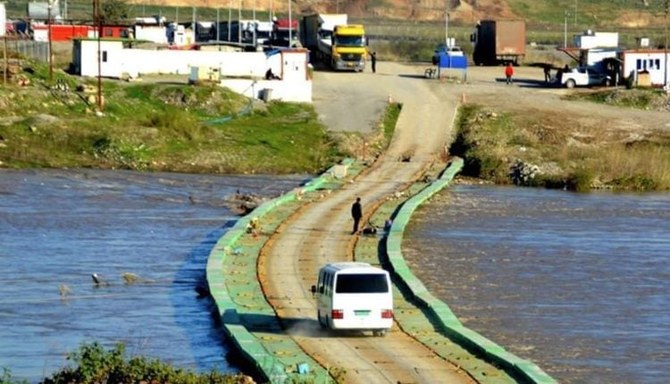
{"x":25,"y":47}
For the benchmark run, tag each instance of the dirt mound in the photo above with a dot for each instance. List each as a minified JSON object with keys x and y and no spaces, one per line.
{"x":637,"y":20}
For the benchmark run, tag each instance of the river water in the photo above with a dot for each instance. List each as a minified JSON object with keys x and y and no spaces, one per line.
{"x":577,"y":283}
{"x":59,"y":227}
{"x":574,"y":282}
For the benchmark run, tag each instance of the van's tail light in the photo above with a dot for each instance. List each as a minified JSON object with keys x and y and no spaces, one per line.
{"x":387,"y":314}
{"x":337,"y":314}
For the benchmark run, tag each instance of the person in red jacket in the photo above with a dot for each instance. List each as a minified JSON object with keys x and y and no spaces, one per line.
{"x":509,"y":72}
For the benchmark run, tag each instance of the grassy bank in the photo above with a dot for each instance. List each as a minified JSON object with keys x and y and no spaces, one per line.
{"x":515,"y":148}
{"x":157,"y":127}
{"x":92,"y":363}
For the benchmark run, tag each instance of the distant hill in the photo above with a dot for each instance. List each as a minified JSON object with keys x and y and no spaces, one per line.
{"x":539,"y":14}
{"x":597,"y":13}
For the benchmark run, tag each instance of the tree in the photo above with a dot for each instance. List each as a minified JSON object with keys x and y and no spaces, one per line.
{"x":114,"y":12}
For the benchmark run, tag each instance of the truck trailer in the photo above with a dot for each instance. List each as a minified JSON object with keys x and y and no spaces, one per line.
{"x":334,"y":42}
{"x":498,"y":42}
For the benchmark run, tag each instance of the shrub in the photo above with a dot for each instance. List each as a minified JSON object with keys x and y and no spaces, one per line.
{"x":95,"y":365}
{"x":580,"y":180}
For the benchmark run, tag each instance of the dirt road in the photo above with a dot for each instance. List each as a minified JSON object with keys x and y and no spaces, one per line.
{"x":529,"y":95}
{"x":322,"y":231}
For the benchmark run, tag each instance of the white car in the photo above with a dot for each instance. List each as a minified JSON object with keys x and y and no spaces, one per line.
{"x":584,"y":77}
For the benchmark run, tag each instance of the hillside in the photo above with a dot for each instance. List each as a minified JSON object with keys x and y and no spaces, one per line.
{"x":592,"y":13}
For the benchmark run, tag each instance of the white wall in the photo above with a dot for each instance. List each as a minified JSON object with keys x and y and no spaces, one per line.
{"x":110,"y":50}
{"x":243,"y":72}
{"x":652,"y":61}
{"x":152,"y":33}
{"x":40,"y":32}
{"x":300,"y":92}
{"x":595,"y":57}
{"x":597,"y":40}
{"x":3,"y":19}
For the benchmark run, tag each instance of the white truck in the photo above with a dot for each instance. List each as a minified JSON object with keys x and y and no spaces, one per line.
{"x":583,"y":77}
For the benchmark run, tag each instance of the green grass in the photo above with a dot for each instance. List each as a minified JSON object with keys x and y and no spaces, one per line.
{"x":639,"y":98}
{"x":92,"y":363}
{"x":160,"y":127}
{"x":568,"y":155}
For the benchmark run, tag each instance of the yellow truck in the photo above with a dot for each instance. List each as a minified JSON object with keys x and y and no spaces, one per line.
{"x":334,"y":42}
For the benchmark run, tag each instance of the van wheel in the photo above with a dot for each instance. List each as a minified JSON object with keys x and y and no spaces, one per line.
{"x":570,"y":83}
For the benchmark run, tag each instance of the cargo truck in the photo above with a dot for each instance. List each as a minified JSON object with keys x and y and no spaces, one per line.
{"x":334,"y":42}
{"x":498,"y":42}
{"x":284,"y":33}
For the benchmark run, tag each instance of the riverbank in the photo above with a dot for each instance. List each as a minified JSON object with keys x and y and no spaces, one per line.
{"x":534,"y":134}
{"x":157,"y":125}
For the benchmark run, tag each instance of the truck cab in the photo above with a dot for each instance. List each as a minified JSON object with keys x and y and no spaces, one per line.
{"x":349,"y":47}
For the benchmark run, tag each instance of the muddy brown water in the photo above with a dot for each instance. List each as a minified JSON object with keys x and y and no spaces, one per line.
{"x":59,"y":227}
{"x":577,"y":283}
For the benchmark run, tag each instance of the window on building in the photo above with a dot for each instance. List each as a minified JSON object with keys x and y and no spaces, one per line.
{"x":104,"y":56}
{"x":639,"y":64}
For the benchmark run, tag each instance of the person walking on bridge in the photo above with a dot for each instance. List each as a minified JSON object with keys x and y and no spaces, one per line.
{"x":356,"y":214}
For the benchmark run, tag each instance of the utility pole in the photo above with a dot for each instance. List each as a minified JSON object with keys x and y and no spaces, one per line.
{"x":565,"y":29}
{"x":4,"y":55}
{"x":290,"y":25}
{"x":98,"y":23}
{"x":239,"y":23}
{"x":51,"y":65}
{"x":665,"y":45}
{"x":446,"y":28}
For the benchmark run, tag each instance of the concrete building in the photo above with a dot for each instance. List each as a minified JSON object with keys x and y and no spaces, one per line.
{"x":243,"y":72}
{"x":648,"y":67}
{"x":3,"y":19}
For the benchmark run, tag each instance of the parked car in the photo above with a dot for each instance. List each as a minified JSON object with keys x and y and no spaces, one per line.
{"x":583,"y":77}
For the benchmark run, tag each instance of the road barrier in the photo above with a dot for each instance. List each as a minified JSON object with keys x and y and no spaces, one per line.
{"x":234,"y":294}
{"x":440,"y":312}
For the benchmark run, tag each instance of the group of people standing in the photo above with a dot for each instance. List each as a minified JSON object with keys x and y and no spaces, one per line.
{"x":509,"y":72}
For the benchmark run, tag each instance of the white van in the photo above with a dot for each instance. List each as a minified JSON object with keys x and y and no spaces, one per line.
{"x":354,"y":296}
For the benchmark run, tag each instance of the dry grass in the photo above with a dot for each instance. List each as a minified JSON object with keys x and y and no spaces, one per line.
{"x":568,"y":154}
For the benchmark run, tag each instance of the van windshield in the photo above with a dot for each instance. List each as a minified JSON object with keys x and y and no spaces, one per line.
{"x":361,"y":283}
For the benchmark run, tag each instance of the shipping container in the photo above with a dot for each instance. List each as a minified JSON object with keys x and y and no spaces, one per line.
{"x":499,"y":42}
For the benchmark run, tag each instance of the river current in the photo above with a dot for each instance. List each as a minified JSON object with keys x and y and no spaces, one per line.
{"x":57,"y":228}
{"x":577,"y":283}
{"x":574,"y":282}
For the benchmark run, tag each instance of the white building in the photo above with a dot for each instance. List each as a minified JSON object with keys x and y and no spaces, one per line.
{"x":3,"y":19}
{"x":243,"y":72}
{"x":154,"y":33}
{"x":590,"y":39}
{"x":653,"y":62}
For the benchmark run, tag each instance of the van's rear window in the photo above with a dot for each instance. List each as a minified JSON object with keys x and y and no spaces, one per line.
{"x":361,"y":283}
